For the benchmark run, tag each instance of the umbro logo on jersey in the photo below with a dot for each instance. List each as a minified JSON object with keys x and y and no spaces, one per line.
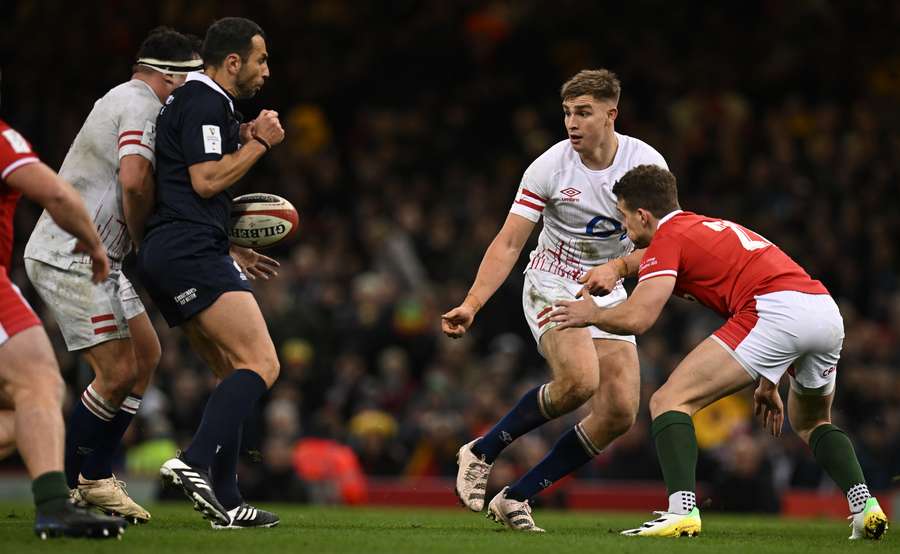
{"x":570,"y":194}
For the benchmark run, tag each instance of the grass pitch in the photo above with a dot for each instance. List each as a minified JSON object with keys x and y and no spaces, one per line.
{"x":176,"y":529}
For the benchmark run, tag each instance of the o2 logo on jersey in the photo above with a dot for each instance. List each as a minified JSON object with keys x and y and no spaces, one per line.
{"x":604,"y":227}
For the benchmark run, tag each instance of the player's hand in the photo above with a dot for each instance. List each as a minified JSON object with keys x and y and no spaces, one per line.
{"x":601,"y":280}
{"x":767,"y":405}
{"x":267,"y":127}
{"x":99,"y":260}
{"x":246,"y":132}
{"x":575,"y":313}
{"x":457,"y":321}
{"x":253,"y":264}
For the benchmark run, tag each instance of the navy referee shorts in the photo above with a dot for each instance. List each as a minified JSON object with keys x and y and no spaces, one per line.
{"x":185,"y":267}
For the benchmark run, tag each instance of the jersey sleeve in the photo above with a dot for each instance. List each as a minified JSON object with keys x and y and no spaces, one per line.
{"x":203,"y":128}
{"x":534,"y":192}
{"x":649,"y":156}
{"x":15,"y":151}
{"x":663,"y":257}
{"x":137,"y":132}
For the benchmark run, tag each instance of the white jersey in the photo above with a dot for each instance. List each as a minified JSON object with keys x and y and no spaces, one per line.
{"x":122,"y":123}
{"x":581,"y":225}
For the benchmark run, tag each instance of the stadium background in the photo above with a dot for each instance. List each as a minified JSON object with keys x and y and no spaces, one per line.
{"x":409,"y":125}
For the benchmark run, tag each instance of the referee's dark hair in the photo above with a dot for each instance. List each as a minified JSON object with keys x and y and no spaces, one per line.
{"x":229,"y":35}
{"x":650,"y":187}
{"x":165,"y":43}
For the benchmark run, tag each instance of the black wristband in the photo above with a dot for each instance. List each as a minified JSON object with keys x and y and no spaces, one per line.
{"x":264,"y":143}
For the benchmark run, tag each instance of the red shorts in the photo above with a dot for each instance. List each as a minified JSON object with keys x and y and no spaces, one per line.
{"x":15,"y":313}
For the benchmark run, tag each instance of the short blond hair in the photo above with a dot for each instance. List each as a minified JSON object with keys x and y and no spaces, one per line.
{"x":602,"y":84}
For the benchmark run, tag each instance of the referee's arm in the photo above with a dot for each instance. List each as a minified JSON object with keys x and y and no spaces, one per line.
{"x":211,"y":178}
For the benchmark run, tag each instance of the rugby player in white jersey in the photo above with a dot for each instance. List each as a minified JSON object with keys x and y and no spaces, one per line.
{"x":570,"y":185}
{"x":110,"y":164}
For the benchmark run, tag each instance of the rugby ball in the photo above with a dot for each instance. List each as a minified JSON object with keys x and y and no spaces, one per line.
{"x":260,"y":220}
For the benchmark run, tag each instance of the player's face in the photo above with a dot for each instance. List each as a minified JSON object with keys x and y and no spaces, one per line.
{"x":636,"y":225}
{"x":254,"y":71}
{"x":588,"y":121}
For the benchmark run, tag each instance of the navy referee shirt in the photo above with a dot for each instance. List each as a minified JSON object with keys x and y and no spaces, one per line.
{"x":197,"y":124}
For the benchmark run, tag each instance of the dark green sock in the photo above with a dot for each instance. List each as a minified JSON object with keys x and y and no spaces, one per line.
{"x":834,"y":452}
{"x":50,"y":491}
{"x":676,"y":448}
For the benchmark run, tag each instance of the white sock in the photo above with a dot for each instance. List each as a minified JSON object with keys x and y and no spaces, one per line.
{"x":682,"y":502}
{"x":857,"y":496}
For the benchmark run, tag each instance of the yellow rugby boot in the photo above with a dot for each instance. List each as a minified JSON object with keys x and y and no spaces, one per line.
{"x":669,"y":524}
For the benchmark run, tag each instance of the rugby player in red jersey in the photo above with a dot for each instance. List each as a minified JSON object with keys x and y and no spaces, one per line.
{"x":30,"y":385}
{"x":779,"y":320}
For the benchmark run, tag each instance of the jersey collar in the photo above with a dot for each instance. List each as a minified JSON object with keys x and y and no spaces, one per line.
{"x":667,"y":217}
{"x":205,"y":79}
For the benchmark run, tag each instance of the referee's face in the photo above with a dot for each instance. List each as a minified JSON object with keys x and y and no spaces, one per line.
{"x":254,"y":71}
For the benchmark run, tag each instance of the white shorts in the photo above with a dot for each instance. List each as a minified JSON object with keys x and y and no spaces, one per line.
{"x":788,"y":331}
{"x":542,"y":289}
{"x":87,"y":314}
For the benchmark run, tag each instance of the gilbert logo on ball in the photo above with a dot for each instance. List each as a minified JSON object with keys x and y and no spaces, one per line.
{"x":260,"y":220}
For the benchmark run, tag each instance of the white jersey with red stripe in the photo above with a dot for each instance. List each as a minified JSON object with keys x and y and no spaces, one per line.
{"x":581,"y":224}
{"x":122,"y":123}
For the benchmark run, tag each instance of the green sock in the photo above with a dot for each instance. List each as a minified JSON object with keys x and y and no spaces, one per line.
{"x":50,"y":491}
{"x":676,"y":447}
{"x":834,"y":452}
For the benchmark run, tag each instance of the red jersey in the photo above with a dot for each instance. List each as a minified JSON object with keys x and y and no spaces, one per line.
{"x":720,"y":264}
{"x":15,"y":152}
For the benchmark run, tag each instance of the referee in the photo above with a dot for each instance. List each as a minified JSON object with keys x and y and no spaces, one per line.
{"x":202,"y":149}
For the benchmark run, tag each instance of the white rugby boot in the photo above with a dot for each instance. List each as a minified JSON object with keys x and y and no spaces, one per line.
{"x":513,"y":514}
{"x":471,"y":477}
{"x":110,"y":496}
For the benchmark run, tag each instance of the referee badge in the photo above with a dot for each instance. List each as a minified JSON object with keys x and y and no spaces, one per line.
{"x":212,"y":139}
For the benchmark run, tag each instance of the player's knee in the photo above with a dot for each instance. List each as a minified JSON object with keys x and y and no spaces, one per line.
{"x":148,"y":358}
{"x":660,"y":402}
{"x":805,"y":426}
{"x":619,"y":417}
{"x":574,"y":390}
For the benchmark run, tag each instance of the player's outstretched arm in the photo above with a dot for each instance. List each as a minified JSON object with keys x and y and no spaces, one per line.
{"x":136,"y":176}
{"x":212,"y":177}
{"x":632,"y":317}
{"x":498,"y":261}
{"x":42,"y":185}
{"x":601,"y":280}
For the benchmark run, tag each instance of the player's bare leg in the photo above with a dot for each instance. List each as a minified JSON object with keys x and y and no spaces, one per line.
{"x":231,"y":335}
{"x":810,"y":415}
{"x":30,"y":378}
{"x":30,"y":382}
{"x":7,"y":433}
{"x":235,"y":323}
{"x":614,"y":405}
{"x":573,"y":362}
{"x":147,"y":351}
{"x":708,"y":373}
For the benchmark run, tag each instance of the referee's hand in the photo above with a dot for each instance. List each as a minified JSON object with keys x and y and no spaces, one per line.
{"x":268,"y":128}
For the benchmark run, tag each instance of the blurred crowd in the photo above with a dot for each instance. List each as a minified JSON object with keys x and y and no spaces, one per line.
{"x":409,"y":125}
